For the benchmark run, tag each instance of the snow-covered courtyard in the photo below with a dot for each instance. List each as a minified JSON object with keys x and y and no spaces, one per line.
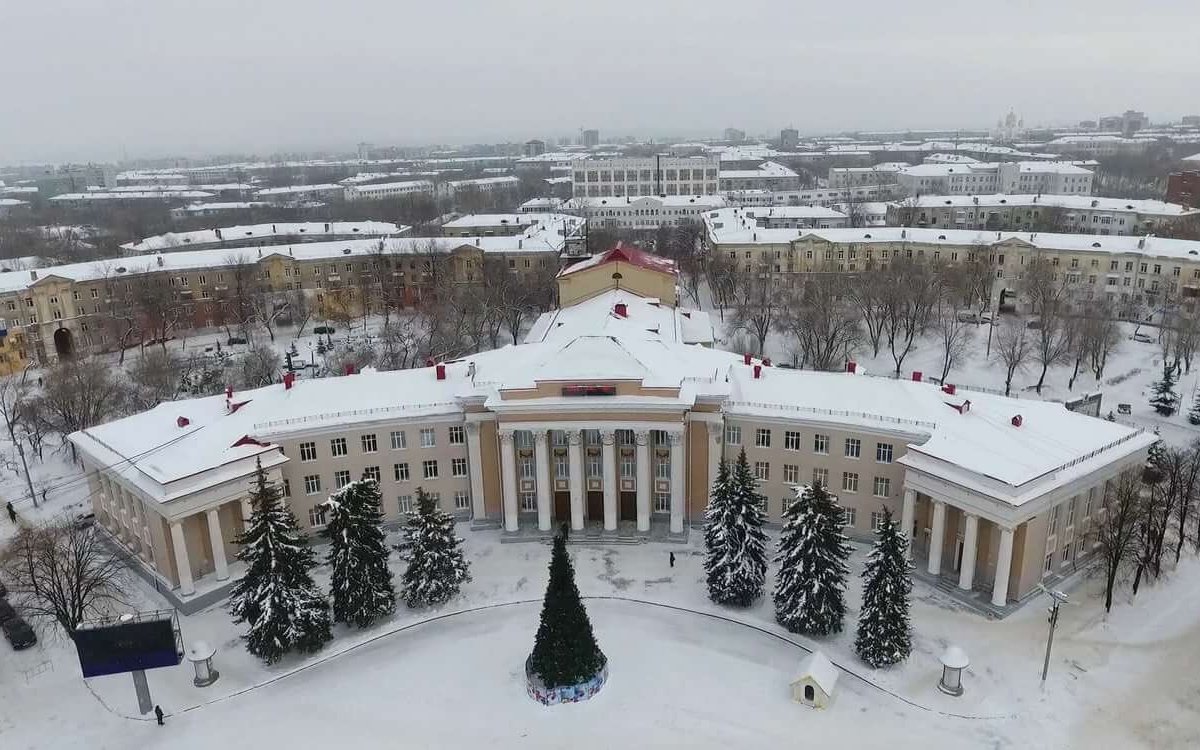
{"x":684,"y":672}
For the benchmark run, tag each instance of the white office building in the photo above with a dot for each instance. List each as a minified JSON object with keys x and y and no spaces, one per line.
{"x":635,"y":176}
{"x":1026,"y":177}
{"x":643,"y":212}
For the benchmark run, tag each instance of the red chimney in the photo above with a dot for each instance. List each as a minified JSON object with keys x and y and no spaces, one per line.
{"x":1016,"y":421}
{"x":851,"y":366}
{"x":766,"y":361}
{"x":757,"y":372}
{"x":441,"y":372}
{"x":621,"y":310}
{"x":948,"y":388}
{"x":229,"y":391}
{"x":288,"y":379}
{"x":916,"y":376}
{"x":349,"y":368}
{"x":182,"y":421}
{"x":746,"y":358}
{"x":429,"y":362}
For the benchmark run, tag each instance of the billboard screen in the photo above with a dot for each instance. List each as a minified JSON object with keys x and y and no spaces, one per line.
{"x":127,"y":647}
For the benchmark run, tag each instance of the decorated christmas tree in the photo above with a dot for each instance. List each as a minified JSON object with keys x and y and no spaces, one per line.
{"x":565,"y":651}
{"x":361,"y":585}
{"x":277,"y":597}
{"x":736,"y":560}
{"x":1164,"y":397}
{"x":884,"y":631}
{"x":811,"y":583}
{"x":436,"y":565}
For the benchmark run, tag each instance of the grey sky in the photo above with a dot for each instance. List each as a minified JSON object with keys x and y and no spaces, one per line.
{"x":98,"y":78}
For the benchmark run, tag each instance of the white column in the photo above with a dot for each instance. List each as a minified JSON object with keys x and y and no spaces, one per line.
{"x":541,"y":456}
{"x":475,"y":461}
{"x":218,"y":544}
{"x":608,"y":439}
{"x":182,"y":564}
{"x":937,"y":531}
{"x":907,"y":516}
{"x":508,"y":477}
{"x":966,"y":573}
{"x":677,"y":488}
{"x":643,"y":480}
{"x":577,"y":480}
{"x":247,"y":510}
{"x":716,"y":444}
{"x":1003,"y":566}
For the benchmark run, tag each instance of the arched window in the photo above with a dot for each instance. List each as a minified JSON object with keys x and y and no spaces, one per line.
{"x":809,"y":694}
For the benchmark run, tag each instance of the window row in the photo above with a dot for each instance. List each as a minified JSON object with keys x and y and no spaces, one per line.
{"x":852,"y":447}
{"x":370,"y":444}
{"x":400,"y":472}
{"x":318,"y":515}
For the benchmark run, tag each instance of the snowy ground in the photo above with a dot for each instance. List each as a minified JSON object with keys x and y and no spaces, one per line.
{"x":679,"y":677}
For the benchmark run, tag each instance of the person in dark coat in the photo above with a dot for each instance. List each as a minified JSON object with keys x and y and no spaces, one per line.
{"x":158,"y":714}
{"x":672,"y":559}
{"x":12,"y":513}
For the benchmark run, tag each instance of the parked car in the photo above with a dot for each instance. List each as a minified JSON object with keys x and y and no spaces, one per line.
{"x":236,"y":340}
{"x":1034,"y":324}
{"x":324,"y":329}
{"x":1142,"y":337}
{"x":20,"y":636}
{"x":6,"y":611}
{"x":85,"y":520}
{"x":3,"y":590}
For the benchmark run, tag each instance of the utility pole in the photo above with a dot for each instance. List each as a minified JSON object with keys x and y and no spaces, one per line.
{"x":1059,"y":598}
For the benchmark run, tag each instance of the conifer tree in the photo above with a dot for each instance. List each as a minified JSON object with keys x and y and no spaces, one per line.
{"x":1193,"y":416}
{"x":277,"y":597}
{"x":811,"y":583}
{"x":565,"y":651}
{"x":437,"y":567}
{"x":1164,"y":397}
{"x":736,"y":560}
{"x":884,"y":631}
{"x":361,"y":585}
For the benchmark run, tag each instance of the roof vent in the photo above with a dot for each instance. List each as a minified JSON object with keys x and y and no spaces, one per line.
{"x":1095,"y":244}
{"x":941,"y":236}
{"x":160,"y":261}
{"x":757,"y":372}
{"x":917,"y":376}
{"x":620,"y":310}
{"x":851,"y":366}
{"x":1016,"y":420}
{"x":33,"y":275}
{"x":182,"y":421}
{"x":345,"y":251}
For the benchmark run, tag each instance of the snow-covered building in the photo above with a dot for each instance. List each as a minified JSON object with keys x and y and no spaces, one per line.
{"x":297,"y":193}
{"x":769,"y":175}
{"x":1055,"y":177}
{"x":656,"y":175}
{"x":643,"y":212}
{"x":261,"y":235}
{"x":483,"y":186}
{"x":388,"y":190}
{"x":111,"y":197}
{"x":614,"y":423}
{"x":1068,"y":213}
{"x":794,"y":217}
{"x":880,"y":174}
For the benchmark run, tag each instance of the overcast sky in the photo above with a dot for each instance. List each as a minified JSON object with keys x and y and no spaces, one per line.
{"x":98,"y":79}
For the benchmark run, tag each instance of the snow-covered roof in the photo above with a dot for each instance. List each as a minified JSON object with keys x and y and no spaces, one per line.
{"x":12,"y":202}
{"x":517,"y":220}
{"x":267,"y":233}
{"x":1073,"y":202}
{"x":793,"y":212}
{"x":486,"y":182}
{"x":664,"y":201}
{"x":301,"y":189}
{"x":203,"y":208}
{"x":644,"y":317}
{"x":625,"y":254}
{"x":384,"y":187}
{"x":109,"y":195}
{"x":1193,"y":157}
{"x":766,"y":169}
{"x":817,"y":667}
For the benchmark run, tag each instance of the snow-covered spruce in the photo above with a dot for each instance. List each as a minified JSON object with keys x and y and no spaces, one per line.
{"x":811,"y":583}
{"x":277,"y":597}
{"x":565,"y":651}
{"x":436,"y":565}
{"x":1165,"y":398}
{"x":884,"y":630}
{"x":736,"y":560}
{"x":361,"y":584}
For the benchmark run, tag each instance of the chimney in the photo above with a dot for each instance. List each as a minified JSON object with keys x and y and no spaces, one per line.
{"x":350,"y":368}
{"x":766,"y":361}
{"x":620,"y":310}
{"x":1016,"y":421}
{"x":746,"y":358}
{"x":966,"y":407}
{"x":851,"y":366}
{"x":949,"y":388}
{"x":757,"y":372}
{"x":229,"y":391}
{"x":33,"y":275}
{"x":1142,"y":243}
{"x":429,"y":362}
{"x":916,"y":376}
{"x":288,"y":379}
{"x":182,"y":421}
{"x":441,"y":371}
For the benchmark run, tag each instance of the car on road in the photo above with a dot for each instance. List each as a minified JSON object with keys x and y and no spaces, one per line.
{"x":85,"y":520}
{"x":6,"y":611}
{"x":236,"y":340}
{"x":324,"y":329}
{"x":20,"y":636}
{"x":1143,"y":338}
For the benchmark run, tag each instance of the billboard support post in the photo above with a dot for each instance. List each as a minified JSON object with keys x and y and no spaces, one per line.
{"x":145,"y":704}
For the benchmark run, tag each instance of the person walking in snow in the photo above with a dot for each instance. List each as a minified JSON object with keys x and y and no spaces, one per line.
{"x":672,"y":554}
{"x":158,"y":714}
{"x":12,"y":513}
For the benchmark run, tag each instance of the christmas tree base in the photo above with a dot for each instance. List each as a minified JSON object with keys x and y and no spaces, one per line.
{"x":552,"y":696}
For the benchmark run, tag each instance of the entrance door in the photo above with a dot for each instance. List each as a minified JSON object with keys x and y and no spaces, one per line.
{"x":628,"y":506}
{"x":595,"y":506}
{"x":562,"y":507}
{"x":958,"y":553}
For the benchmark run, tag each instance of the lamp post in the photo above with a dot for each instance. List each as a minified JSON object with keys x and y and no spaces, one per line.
{"x":1059,"y":598}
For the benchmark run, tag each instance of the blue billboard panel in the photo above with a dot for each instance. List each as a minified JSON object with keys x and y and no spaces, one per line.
{"x":127,"y":647}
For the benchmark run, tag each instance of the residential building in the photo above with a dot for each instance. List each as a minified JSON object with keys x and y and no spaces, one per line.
{"x":645,"y":212}
{"x":590,"y":138}
{"x":1055,"y":213}
{"x":1025,"y":177}
{"x":789,"y":138}
{"x":388,"y":190}
{"x":300,"y":193}
{"x":1184,"y":187}
{"x":880,"y":174}
{"x":734,"y":135}
{"x":259,"y":235}
{"x":636,"y":176}
{"x":768,"y":175}
{"x":1099,"y":145}
{"x":534,"y":148}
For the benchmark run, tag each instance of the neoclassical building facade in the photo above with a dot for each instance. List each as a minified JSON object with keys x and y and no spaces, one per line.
{"x":612,"y":417}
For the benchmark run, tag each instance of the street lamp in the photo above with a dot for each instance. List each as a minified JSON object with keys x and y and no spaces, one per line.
{"x":1059,"y":598}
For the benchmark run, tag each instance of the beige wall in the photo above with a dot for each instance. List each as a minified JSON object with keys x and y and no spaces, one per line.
{"x":589,"y":282}
{"x":696,"y":474}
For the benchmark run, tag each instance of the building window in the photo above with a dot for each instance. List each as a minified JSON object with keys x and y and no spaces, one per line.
{"x":528,"y":501}
{"x":762,"y":471}
{"x":1071,"y":513}
{"x":627,"y":467}
{"x":853,"y":447}
{"x":791,"y":473}
{"x":791,"y":440}
{"x":372,"y":473}
{"x":883,"y":453}
{"x":457,"y":435}
{"x":337,"y":446}
{"x":341,"y":478}
{"x":458,"y":467}
{"x":429,"y":469}
{"x":368,"y":443}
{"x":1066,"y":553}
{"x":849,"y":516}
{"x":733,"y":434}
{"x":849,"y":481}
{"x":462,"y":501}
{"x":662,"y":502}
{"x":427,"y":437}
{"x":762,"y":438}
{"x":401,"y":472}
{"x":312,"y":484}
{"x":593,"y":466}
{"x":287,"y":488}
{"x":316,"y":515}
{"x":876,"y":520}
{"x":1049,"y":563}
{"x":821,"y":444}
{"x":525,"y":467}
{"x":399,"y":442}
{"x":821,"y":477}
{"x":883,"y":487}
{"x":1053,"y":525}
{"x":405,"y":503}
{"x":308,"y":451}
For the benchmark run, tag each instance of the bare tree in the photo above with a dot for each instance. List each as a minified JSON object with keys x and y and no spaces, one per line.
{"x":758,"y":301}
{"x":909,"y":293}
{"x":866,"y":292}
{"x":258,"y":366}
{"x":66,"y":572}
{"x":721,"y":272}
{"x":1116,"y":532}
{"x":156,"y":376}
{"x":240,"y":300}
{"x":159,"y":308}
{"x":1013,"y":348}
{"x":954,"y":335}
{"x":1048,"y":293}
{"x":77,"y":394}
{"x":822,"y":323}
{"x":14,"y":400}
